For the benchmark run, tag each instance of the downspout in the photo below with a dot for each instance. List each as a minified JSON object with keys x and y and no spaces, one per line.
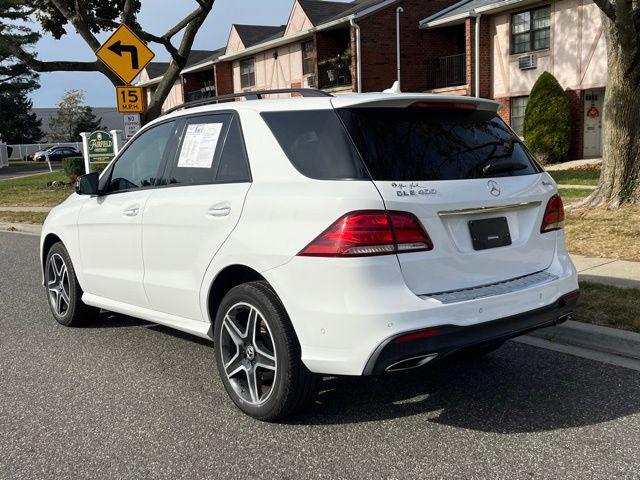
{"x":399,"y":10}
{"x":477,"y":56}
{"x":356,"y":27}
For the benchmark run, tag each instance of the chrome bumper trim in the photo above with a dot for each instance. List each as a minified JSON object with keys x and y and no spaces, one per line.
{"x":497,"y":208}
{"x":500,"y":288}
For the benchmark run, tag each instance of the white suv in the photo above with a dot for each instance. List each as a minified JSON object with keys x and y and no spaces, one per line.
{"x":346,"y":235}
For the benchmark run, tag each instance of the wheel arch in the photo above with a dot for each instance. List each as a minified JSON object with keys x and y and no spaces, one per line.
{"x":229,"y":277}
{"x":50,"y":240}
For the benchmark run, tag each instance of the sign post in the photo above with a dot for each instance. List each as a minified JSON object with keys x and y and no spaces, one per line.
{"x":85,"y":152}
{"x":116,"y":135}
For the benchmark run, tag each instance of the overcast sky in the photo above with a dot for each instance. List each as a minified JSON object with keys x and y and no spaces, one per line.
{"x":156,"y":16}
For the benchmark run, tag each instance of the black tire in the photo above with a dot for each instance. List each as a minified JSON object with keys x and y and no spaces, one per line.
{"x":76,"y":312}
{"x":294,"y":386}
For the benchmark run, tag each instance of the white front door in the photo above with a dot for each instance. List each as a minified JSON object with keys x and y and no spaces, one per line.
{"x":593,"y":112}
{"x":110,"y":225}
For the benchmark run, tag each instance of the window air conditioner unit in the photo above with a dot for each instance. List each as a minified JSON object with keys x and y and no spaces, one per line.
{"x":528,"y":62}
{"x":311,"y":81}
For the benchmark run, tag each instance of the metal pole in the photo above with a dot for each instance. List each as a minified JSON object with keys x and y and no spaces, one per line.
{"x":48,"y":162}
{"x":399,"y":10}
{"x":477,"y":56}
{"x":356,"y":27}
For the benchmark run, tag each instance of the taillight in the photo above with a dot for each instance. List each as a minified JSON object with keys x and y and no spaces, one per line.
{"x":553,"y":215}
{"x":370,"y":232}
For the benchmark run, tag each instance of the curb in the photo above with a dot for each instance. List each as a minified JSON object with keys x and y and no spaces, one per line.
{"x":593,"y":337}
{"x":25,"y":228}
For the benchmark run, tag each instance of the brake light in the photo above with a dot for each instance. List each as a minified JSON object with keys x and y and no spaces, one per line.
{"x":553,"y":215}
{"x":416,"y":335}
{"x":370,"y":232}
{"x":444,"y":105}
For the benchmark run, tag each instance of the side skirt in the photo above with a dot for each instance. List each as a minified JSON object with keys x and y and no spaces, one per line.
{"x":199,"y":329}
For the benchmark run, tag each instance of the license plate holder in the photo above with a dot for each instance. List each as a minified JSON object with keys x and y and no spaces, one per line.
{"x":489,"y":233}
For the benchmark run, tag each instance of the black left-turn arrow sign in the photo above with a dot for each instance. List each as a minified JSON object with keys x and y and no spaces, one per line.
{"x":118,"y":48}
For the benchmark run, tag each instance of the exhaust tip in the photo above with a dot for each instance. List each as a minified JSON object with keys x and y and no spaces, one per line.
{"x":564,"y":318}
{"x":409,"y":363}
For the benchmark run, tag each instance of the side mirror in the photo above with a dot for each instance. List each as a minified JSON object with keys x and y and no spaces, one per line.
{"x":88,"y":184}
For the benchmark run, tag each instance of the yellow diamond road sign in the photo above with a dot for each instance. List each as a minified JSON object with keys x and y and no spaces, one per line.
{"x":125,"y":54}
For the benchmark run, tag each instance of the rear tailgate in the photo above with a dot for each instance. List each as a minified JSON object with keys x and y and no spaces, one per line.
{"x":451,"y":166}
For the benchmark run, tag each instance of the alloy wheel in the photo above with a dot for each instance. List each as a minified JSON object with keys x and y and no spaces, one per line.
{"x":58,"y":284}
{"x":248,"y":353}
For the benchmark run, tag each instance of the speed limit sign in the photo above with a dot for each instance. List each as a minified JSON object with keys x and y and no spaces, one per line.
{"x":130,"y":99}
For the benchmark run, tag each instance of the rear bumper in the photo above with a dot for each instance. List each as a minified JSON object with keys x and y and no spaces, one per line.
{"x":343,"y":310}
{"x":422,"y":346}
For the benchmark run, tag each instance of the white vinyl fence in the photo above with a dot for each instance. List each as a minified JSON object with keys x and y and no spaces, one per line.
{"x":20,"y":152}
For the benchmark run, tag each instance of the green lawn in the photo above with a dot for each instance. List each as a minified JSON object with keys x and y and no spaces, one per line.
{"x":576,"y":177}
{"x":22,"y":217}
{"x":609,"y":306}
{"x":33,"y":191}
{"x":573,"y":195}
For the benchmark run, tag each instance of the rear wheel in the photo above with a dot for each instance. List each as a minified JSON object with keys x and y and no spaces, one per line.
{"x":258,"y":355}
{"x":63,"y":290}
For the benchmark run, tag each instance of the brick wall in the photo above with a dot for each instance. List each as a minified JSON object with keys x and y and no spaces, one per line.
{"x":224,"y":78}
{"x":505,"y":109}
{"x":378,"y":43}
{"x":576,"y":105}
{"x":485,"y":56}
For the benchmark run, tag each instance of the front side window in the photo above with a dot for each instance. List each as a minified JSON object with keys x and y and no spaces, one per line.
{"x":518,"y":107}
{"x":247,"y":73}
{"x":308,"y":60}
{"x":531,"y":30}
{"x":139,"y":164}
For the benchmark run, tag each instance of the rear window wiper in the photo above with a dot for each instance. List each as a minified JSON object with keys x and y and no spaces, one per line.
{"x":503,"y":167}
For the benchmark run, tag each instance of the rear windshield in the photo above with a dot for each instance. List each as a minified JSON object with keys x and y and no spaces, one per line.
{"x":440,"y":144}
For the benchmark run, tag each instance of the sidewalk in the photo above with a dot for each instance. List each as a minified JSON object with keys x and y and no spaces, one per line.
{"x":26,"y":209}
{"x":573,"y":163}
{"x":619,"y":273}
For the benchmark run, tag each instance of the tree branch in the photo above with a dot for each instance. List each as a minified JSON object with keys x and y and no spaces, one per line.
{"x":78,"y":23}
{"x":127,"y":13}
{"x":607,"y":7}
{"x":183,"y":23}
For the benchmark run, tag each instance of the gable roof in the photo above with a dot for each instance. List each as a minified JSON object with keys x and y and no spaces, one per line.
{"x":319,"y":11}
{"x":156,"y":69}
{"x":253,"y":34}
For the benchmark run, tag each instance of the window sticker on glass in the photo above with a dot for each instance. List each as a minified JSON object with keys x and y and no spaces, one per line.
{"x":199,"y":145}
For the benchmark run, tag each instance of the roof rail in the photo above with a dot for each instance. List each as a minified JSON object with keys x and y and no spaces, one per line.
{"x":257,"y":95}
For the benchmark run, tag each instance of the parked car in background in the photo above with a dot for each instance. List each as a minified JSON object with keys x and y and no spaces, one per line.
{"x":346,"y":235}
{"x":56,"y":154}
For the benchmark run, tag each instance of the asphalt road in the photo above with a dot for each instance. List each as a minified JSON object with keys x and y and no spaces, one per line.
{"x":128,"y":399}
{"x":14,"y":171}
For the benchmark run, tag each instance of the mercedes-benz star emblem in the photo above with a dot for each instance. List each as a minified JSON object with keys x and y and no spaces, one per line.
{"x":494,"y":188}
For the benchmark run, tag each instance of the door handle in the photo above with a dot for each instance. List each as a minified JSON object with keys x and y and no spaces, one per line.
{"x":219,"y":211}
{"x":131,"y":212}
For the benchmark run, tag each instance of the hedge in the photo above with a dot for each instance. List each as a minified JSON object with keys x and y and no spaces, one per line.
{"x":547,"y":120}
{"x":73,"y":167}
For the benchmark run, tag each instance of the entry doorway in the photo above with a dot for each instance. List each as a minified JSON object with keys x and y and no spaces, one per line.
{"x":593,"y":114}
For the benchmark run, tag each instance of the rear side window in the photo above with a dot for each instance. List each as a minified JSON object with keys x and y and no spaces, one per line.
{"x":436,"y":144}
{"x":211,"y":150}
{"x":316,"y":144}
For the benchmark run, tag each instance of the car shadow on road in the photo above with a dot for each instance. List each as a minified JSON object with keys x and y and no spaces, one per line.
{"x":515,"y":390}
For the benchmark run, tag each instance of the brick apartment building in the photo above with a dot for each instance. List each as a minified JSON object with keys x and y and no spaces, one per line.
{"x":319,"y":43}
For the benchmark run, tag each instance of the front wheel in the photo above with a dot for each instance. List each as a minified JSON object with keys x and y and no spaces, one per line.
{"x":258,"y":355}
{"x":63,"y":290}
